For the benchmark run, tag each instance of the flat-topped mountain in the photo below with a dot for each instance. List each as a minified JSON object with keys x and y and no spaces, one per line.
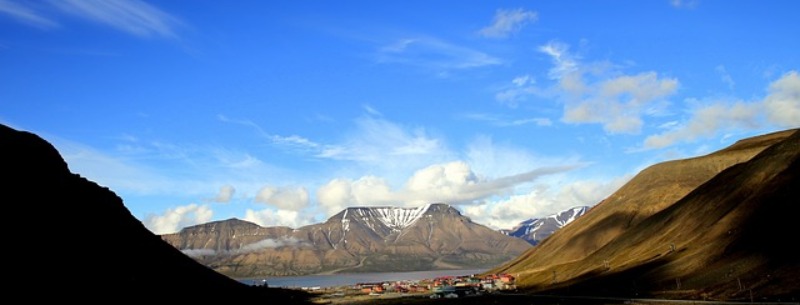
{"x":357,"y":239}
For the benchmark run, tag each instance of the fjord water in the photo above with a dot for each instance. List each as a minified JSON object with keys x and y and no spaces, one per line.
{"x":333,"y":280}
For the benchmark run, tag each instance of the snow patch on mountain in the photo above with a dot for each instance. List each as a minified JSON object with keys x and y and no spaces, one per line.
{"x":537,"y":229}
{"x":394,"y":218}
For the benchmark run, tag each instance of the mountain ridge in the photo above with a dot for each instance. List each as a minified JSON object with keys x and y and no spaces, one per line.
{"x":535,"y":230}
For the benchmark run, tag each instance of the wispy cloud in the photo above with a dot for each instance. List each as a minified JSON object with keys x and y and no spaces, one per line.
{"x":520,"y":89}
{"x":432,"y":53}
{"x":684,"y":3}
{"x":375,"y":139}
{"x":502,"y":121}
{"x":725,"y":76}
{"x":26,"y":14}
{"x":132,"y":16}
{"x":507,"y":22}
{"x":292,"y":141}
{"x":564,"y":62}
{"x":372,"y":111}
{"x":371,"y":142}
{"x":118,"y":173}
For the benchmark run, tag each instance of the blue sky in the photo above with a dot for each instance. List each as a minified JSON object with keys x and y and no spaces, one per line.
{"x":286,"y":113}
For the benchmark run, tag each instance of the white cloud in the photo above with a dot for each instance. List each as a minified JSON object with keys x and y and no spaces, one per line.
{"x":640,"y":88}
{"x":780,"y":108}
{"x":341,"y":193}
{"x":373,"y":190}
{"x":271,"y":218}
{"x":707,"y":121}
{"x":131,"y":16}
{"x":615,"y":100}
{"x":177,"y":218}
{"x":542,"y":201}
{"x":618,"y":103}
{"x":446,"y":180}
{"x":782,"y":105}
{"x":335,"y":195}
{"x":225,"y":194}
{"x":26,"y":14}
{"x":285,"y":198}
{"x":452,"y":182}
{"x":507,"y":22}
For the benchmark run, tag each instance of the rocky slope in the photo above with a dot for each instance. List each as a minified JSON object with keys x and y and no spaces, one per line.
{"x":78,"y":242}
{"x":711,"y":227}
{"x":535,"y":230}
{"x":358,"y":239}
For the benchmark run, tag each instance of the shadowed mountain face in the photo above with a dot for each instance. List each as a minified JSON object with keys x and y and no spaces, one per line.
{"x":359,"y":239}
{"x":718,"y":226}
{"x":87,"y":246}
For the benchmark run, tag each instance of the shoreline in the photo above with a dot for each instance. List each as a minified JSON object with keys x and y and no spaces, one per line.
{"x":326,"y":280}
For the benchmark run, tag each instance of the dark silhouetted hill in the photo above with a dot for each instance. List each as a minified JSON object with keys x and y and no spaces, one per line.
{"x":73,"y":240}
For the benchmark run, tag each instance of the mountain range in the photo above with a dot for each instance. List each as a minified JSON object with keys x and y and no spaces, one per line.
{"x":718,"y":227}
{"x":535,"y":230}
{"x":357,"y":239}
{"x":714,"y":227}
